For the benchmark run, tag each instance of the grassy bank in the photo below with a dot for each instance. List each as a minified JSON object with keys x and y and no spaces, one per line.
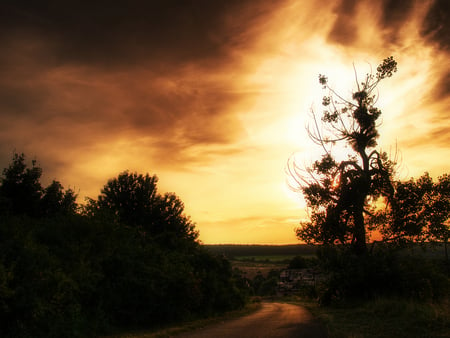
{"x":385,"y":318}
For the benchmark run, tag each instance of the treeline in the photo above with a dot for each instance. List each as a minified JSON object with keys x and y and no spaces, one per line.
{"x":235,"y":250}
{"x":129,"y":258}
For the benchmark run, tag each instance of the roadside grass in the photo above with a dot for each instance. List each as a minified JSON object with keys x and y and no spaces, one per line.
{"x":187,"y":326}
{"x":384,"y":318}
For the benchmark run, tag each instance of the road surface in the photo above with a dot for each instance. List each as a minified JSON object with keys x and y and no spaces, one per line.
{"x":272,"y":320}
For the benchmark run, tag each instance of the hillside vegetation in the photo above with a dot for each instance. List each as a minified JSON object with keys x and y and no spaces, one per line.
{"x":129,"y":259}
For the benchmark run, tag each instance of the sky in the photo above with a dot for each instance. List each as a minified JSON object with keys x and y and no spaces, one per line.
{"x":214,"y":97}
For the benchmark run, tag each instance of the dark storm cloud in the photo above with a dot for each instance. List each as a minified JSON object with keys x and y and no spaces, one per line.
{"x":436,"y":25}
{"x":85,"y":107}
{"x":348,"y":27}
{"x":109,"y":32}
{"x":442,"y":89}
{"x":74,"y":74}
{"x":344,"y":29}
{"x":392,"y":17}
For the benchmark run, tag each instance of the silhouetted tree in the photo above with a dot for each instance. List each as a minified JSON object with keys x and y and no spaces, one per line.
{"x":134,"y":201}
{"x":20,"y":188}
{"x":418,"y":211}
{"x":21,"y":192}
{"x":57,"y":201}
{"x":130,"y":197}
{"x":338,"y":193}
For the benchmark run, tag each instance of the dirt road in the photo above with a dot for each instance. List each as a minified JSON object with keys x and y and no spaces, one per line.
{"x":272,"y":320}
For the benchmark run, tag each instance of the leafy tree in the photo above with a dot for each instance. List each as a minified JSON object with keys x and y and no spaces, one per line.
{"x":20,"y":188}
{"x":134,"y":201}
{"x":338,"y":194}
{"x":57,"y":201}
{"x":21,"y":192}
{"x":419,"y":211}
{"x":130,"y":197}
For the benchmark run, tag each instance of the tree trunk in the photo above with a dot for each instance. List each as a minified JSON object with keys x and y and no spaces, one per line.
{"x":446,"y":254}
{"x":361,"y":190}
{"x":359,"y":243}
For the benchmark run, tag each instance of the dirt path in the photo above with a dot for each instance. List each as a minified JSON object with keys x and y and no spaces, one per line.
{"x":272,"y":320}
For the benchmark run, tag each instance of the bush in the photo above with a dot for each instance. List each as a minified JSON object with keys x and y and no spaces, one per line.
{"x":266,"y":286}
{"x":382,"y":273}
{"x":75,"y":276}
{"x":301,"y":262}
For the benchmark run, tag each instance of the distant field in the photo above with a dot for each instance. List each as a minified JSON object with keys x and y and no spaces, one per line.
{"x":254,"y":259}
{"x":251,"y":269}
{"x":265,"y":259}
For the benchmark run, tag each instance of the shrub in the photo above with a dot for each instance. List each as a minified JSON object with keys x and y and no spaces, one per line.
{"x":382,"y":273}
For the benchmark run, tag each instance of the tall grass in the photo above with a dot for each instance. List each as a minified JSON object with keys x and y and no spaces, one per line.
{"x":386,"y":317}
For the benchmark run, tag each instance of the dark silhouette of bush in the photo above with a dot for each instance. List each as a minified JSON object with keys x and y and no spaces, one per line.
{"x":21,"y":189}
{"x":21,"y":192}
{"x":384,"y":272}
{"x":265,"y":285}
{"x":301,"y":262}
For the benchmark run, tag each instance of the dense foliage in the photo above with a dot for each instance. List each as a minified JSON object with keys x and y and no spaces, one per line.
{"x":130,"y":258}
{"x":419,"y":211}
{"x":413,"y":273}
